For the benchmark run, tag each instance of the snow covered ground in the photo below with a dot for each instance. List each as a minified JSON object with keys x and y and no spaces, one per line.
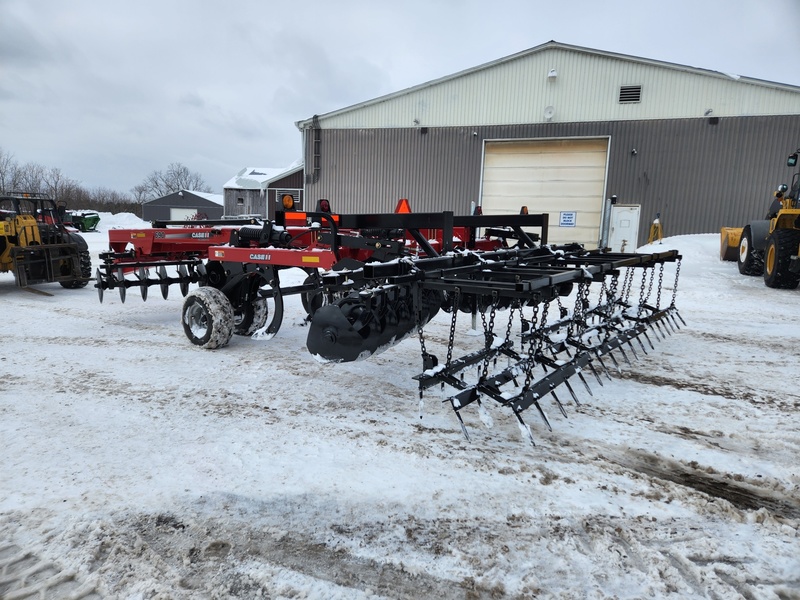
{"x":139,"y":466}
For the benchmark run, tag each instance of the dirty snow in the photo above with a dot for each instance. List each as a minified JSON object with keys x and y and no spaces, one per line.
{"x":148,"y":468}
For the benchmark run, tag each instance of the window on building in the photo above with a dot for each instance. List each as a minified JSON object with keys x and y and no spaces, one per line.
{"x":629,"y":94}
{"x":240,"y":201}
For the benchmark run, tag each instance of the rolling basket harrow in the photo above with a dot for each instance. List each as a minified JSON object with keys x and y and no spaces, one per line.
{"x":374,"y":280}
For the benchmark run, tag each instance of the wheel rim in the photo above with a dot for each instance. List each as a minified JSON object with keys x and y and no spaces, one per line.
{"x":743,"y":250}
{"x":769,"y":261}
{"x":197,"y":320}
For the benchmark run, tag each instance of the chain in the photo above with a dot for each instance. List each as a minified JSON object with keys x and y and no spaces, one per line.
{"x":562,"y":310}
{"x":514,"y":306}
{"x":488,"y":335}
{"x":456,"y":299}
{"x":421,"y":340}
{"x":612,"y":290}
{"x":538,"y":342}
{"x":675,"y":286}
{"x":641,"y":292}
{"x":627,"y":284}
{"x":583,"y":300}
{"x":660,"y":283}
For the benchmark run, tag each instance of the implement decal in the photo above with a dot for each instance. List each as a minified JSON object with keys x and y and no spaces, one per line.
{"x":311,"y":259}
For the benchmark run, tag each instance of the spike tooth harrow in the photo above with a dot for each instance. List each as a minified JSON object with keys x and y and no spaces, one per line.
{"x":614,"y":325}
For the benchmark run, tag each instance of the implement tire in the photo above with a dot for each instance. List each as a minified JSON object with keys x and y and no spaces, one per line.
{"x":251,"y":317}
{"x":751,"y":261}
{"x":207,"y":318}
{"x":781,"y":246}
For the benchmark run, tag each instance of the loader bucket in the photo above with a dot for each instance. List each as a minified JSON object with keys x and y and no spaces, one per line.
{"x":729,"y":243}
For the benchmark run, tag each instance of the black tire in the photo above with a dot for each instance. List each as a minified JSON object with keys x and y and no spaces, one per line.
{"x":251,"y":317}
{"x":750,"y":261}
{"x":86,"y":272}
{"x":781,"y":246}
{"x":207,"y":318}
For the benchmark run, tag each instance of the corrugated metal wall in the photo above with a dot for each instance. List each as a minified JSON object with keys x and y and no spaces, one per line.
{"x":700,"y":176}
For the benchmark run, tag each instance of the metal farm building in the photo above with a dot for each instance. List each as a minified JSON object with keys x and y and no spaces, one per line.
{"x":561,"y":129}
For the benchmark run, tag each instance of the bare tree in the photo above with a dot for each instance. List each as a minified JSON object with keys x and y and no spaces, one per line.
{"x":161,"y":183}
{"x":30,"y":177}
{"x":7,"y":167}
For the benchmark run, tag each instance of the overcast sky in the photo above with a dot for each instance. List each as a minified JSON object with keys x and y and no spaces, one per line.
{"x":109,"y":91}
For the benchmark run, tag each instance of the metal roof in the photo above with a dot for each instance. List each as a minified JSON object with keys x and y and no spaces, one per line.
{"x":486,"y":92}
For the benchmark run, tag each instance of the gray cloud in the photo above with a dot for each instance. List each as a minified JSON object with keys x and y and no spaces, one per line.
{"x":111,"y":91}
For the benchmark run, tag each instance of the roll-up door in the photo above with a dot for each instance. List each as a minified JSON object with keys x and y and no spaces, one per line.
{"x":565,"y":178}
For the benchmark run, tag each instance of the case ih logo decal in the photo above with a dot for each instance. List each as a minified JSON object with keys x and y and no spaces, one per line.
{"x":202,"y":235}
{"x":259,"y":257}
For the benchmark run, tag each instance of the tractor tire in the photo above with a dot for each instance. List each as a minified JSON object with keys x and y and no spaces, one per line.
{"x":86,"y":272}
{"x":251,"y":317}
{"x":751,"y":261}
{"x":781,"y":246}
{"x":207,"y":318}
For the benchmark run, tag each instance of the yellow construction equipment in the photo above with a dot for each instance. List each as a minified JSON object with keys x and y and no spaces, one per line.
{"x":770,"y":246}
{"x":36,"y":246}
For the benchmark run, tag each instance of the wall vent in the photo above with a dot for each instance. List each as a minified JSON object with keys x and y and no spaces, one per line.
{"x":630,"y":93}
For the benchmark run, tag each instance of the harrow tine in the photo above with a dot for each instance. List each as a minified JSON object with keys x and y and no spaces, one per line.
{"x":602,"y":364}
{"x":524,"y":429}
{"x":647,"y":337}
{"x":660,"y":331}
{"x":616,"y":364}
{"x":630,"y":344}
{"x":585,"y":384}
{"x":677,"y":314}
{"x":461,"y":422}
{"x":572,"y":392}
{"x":535,"y":402}
{"x":162,"y":276}
{"x":625,"y":356}
{"x":558,"y":402}
{"x":639,"y":340}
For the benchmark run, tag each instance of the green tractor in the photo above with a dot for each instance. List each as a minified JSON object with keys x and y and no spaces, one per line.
{"x":84,"y":220}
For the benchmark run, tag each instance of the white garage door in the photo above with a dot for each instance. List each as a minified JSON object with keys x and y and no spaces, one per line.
{"x":182,"y":214}
{"x":565,"y":178}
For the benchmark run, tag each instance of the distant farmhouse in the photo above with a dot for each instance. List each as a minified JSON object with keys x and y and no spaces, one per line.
{"x":182,"y":206}
{"x":603,"y":142}
{"x":256,"y":191}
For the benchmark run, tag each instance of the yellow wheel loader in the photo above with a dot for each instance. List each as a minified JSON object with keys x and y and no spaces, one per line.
{"x":771,"y":246}
{"x":36,"y":246}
